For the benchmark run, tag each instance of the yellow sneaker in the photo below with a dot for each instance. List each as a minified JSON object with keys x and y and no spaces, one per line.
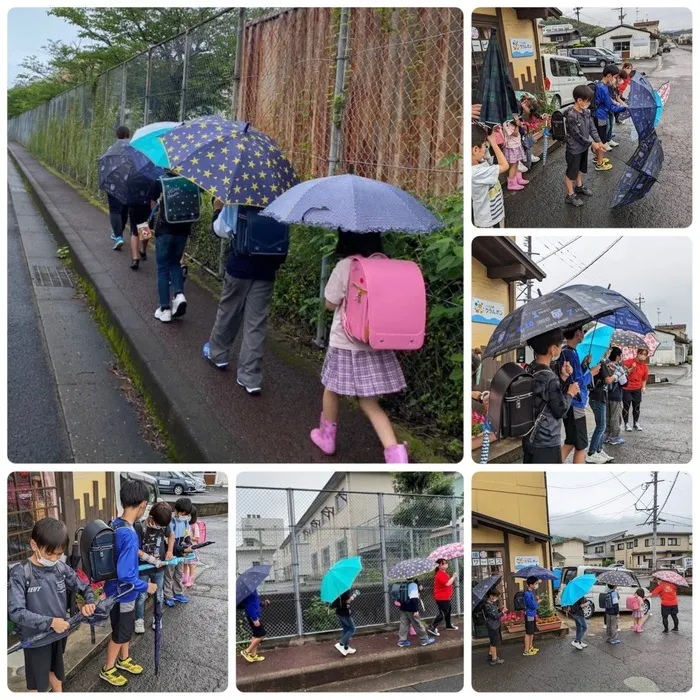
{"x":257,"y":657}
{"x":113,"y":677}
{"x":128,"y":665}
{"x":603,"y":166}
{"x":533,"y":650}
{"x":247,"y":656}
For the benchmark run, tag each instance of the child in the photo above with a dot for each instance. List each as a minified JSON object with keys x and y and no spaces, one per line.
{"x":637,"y":376}
{"x":442,"y":593}
{"x":134,"y":499}
{"x":493,"y":621}
{"x":173,"y":589}
{"x":488,"y":210}
{"x":531,"y":605}
{"x":669,"y":604}
{"x":612,"y":615}
{"x":614,"y":414}
{"x":139,"y":213}
{"x":581,"y":624}
{"x":514,"y":153}
{"x":581,"y":135}
{"x":253,"y":607}
{"x":531,"y":122}
{"x":37,"y":602}
{"x":598,"y":401}
{"x":543,"y":444}
{"x":352,"y":368}
{"x":188,"y":571}
{"x":638,"y":612}
{"x":342,"y":610}
{"x":605,"y":106}
{"x":152,"y":538}
{"x":409,"y":617}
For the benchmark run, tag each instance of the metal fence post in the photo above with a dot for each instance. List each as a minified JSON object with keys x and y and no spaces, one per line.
{"x":295,"y":560}
{"x":147,"y":98}
{"x":382,"y":546}
{"x":185,"y":63}
{"x":333,"y":155}
{"x":122,"y":103}
{"x":455,"y":536}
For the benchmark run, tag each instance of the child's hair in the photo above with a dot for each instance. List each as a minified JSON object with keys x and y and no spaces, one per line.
{"x":183,"y":505}
{"x":51,"y":535}
{"x":541,"y":343}
{"x":583,"y":92}
{"x":531,"y":579}
{"x":439,"y":562}
{"x":626,"y":65}
{"x":479,"y":135}
{"x":610,"y":69}
{"x":640,"y":592}
{"x":615,"y":353}
{"x":123,"y":132}
{"x":193,"y":515}
{"x":364,"y":244}
{"x":133,"y":493}
{"x":493,"y":592}
{"x":476,"y":363}
{"x":623,"y":74}
{"x":569,"y":333}
{"x":611,"y":586}
{"x":161,"y":513}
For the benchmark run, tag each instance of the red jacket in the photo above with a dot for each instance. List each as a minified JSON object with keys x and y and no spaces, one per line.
{"x":667,"y":591}
{"x":636,"y":376}
{"x":441,"y":591}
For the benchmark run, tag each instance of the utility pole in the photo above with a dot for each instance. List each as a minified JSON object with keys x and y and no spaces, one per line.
{"x":655,"y":475}
{"x":577,"y":10}
{"x":658,"y":315}
{"x":528,"y":292}
{"x":640,"y":301}
{"x":621,"y":15}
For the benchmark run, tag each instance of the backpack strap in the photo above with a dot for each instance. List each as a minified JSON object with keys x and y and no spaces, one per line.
{"x":27,"y":571}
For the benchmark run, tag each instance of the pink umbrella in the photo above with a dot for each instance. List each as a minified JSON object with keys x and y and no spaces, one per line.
{"x":454,"y":550}
{"x":670,"y":576}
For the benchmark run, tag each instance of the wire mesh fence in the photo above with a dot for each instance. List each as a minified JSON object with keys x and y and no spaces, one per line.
{"x":301,"y":533}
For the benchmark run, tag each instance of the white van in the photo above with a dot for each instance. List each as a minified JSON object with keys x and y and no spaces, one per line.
{"x":592,"y":604}
{"x":561,"y":75}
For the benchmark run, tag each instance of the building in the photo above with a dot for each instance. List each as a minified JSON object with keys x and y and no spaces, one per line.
{"x":634,"y":549}
{"x":569,"y":551}
{"x":685,"y":38}
{"x":563,"y":35}
{"x":674,"y":344}
{"x":602,"y":548}
{"x":518,"y":37}
{"x":650,"y":25}
{"x":510,"y":526}
{"x":629,"y":41}
{"x":257,"y":540}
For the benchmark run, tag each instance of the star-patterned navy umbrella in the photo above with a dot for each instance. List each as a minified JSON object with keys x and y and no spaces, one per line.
{"x":126,"y":173}
{"x":229,"y":160}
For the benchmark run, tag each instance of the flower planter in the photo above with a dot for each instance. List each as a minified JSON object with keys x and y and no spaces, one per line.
{"x":546,"y":626}
{"x":514,"y":629}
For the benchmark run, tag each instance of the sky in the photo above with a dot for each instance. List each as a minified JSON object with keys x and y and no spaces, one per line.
{"x":658,"y":267}
{"x":570,"y":493}
{"x":670,"y":18}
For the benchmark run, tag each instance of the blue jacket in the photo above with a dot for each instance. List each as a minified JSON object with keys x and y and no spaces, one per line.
{"x":583,"y":378}
{"x":127,"y":545}
{"x":531,"y":603}
{"x":253,"y":606}
{"x":604,"y":103}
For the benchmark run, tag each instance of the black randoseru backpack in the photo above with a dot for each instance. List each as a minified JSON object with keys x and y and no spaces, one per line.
{"x":519,"y":601}
{"x":98,"y":550}
{"x":558,"y":127}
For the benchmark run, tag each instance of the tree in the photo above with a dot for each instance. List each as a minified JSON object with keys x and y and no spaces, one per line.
{"x":418,"y":511}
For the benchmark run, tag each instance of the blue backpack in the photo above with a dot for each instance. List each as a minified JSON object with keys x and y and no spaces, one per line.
{"x":259,"y":235}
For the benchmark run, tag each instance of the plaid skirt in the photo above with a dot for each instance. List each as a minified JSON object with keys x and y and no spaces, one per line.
{"x":362,"y":373}
{"x":513,"y":155}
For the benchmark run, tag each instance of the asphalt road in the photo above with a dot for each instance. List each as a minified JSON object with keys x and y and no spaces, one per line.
{"x":669,"y":202}
{"x":651,"y":661}
{"x":451,"y":684}
{"x":194,"y":646}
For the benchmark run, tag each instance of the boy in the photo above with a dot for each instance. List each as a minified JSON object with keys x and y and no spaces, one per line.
{"x":581,"y":135}
{"x":178,"y":545}
{"x":598,"y":401}
{"x":531,"y":605}
{"x":543,"y":444}
{"x":409,"y":615}
{"x":134,"y":499}
{"x":342,"y":610}
{"x":38,"y":602}
{"x":612,"y":615}
{"x":253,"y":606}
{"x":488,"y":209}
{"x":493,"y":621}
{"x":118,"y":211}
{"x":635,"y":387}
{"x":152,"y":536}
{"x":606,"y":106}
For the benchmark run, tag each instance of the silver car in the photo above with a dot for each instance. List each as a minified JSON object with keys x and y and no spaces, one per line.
{"x":199,"y":483}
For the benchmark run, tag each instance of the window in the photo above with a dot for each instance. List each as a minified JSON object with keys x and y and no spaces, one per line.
{"x":635,"y":542}
{"x":249,"y":542}
{"x":314,"y":563}
{"x":599,"y":549}
{"x":647,"y":542}
{"x":630,"y":544}
{"x":341,"y":549}
{"x":621,"y":546}
{"x":488,"y":565}
{"x":639,"y":560}
{"x":326,"y":558}
{"x":612,"y":547}
{"x":672,"y":541}
{"x":556,"y":68}
{"x":341,"y":500}
{"x":569,"y":575}
{"x":256,"y":563}
{"x":662,"y":541}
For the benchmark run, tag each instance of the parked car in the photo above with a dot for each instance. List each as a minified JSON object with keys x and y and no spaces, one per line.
{"x":592,"y":604}
{"x":617,"y":55}
{"x":150,"y":481}
{"x":666,"y":48}
{"x":174,"y":482}
{"x":561,"y":75}
{"x":592,"y":57}
{"x":199,"y":483}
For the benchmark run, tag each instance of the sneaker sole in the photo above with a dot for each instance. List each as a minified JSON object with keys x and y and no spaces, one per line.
{"x":133,"y":673}
{"x":251,"y":392}
{"x":116,"y":685}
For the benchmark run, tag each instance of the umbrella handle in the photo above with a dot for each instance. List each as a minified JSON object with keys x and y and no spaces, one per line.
{"x":485,"y":442}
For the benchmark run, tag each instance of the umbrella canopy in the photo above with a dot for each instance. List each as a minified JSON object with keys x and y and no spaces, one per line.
{"x":454,"y":550}
{"x":339,"y":578}
{"x":410,"y":568}
{"x":664,"y":92}
{"x":536,"y":571}
{"x":595,"y":343}
{"x":642,"y":105}
{"x":577,"y":588}
{"x":495,"y":91}
{"x":616,"y":577}
{"x":158,"y":619}
{"x":480,"y":591}
{"x":669,"y":576}
{"x":641,"y":173}
{"x":229,"y":160}
{"x":126,"y":174}
{"x":249,"y":580}
{"x":577,"y":304}
{"x":628,"y":339}
{"x":147,"y":140}
{"x":352,"y":203}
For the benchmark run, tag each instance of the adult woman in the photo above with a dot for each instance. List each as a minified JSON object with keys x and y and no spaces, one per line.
{"x":442,"y":592}
{"x":669,"y":603}
{"x":638,"y":373}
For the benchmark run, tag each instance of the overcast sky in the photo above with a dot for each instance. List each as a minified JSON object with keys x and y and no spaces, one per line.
{"x":670,"y":18}
{"x":570,"y":493}
{"x":658,"y":267}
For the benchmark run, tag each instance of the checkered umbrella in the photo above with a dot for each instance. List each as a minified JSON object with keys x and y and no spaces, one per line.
{"x":495,"y":91}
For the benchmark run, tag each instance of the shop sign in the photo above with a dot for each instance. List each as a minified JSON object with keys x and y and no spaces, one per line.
{"x":475,"y":33}
{"x":521,"y":48}
{"x":489,"y":312}
{"x":522,"y":561}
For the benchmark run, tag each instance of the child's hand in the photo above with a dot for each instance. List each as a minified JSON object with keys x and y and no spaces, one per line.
{"x":59,"y":625}
{"x":159,"y":563}
{"x":476,"y":111}
{"x":566,"y":371}
{"x":256,"y":623}
{"x":573,"y":389}
{"x":87,"y":610}
{"x":152,"y":588}
{"x":266,"y":602}
{"x":187,"y":550}
{"x":168,"y":556}
{"x":416,"y":614}
{"x":595,"y":370}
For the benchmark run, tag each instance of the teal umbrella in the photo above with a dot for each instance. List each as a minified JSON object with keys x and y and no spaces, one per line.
{"x":577,"y":588}
{"x":339,"y":578}
{"x":147,"y":140}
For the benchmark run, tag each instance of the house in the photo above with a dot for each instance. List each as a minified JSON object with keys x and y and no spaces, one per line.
{"x":671,"y":349}
{"x":650,"y":25}
{"x":257,"y":541}
{"x":517,"y":30}
{"x":563,"y":35}
{"x":634,"y":549}
{"x":601,"y":547}
{"x":569,"y":551}
{"x":631,"y":42}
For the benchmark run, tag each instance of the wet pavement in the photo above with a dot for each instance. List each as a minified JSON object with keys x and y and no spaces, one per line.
{"x":669,"y":202}
{"x":651,"y":661}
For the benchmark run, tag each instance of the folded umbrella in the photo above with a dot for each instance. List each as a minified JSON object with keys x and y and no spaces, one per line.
{"x":480,"y":591}
{"x":410,"y":568}
{"x":577,"y":588}
{"x":339,"y":578}
{"x":249,"y":581}
{"x":615,"y":577}
{"x":147,"y":140}
{"x":158,"y":619}
{"x":670,"y":576}
{"x":454,"y":550}
{"x":172,"y":562}
{"x":536,"y":571}
{"x":494,"y":91}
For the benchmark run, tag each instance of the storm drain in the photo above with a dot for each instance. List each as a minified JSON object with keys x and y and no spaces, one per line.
{"x":44,"y":276}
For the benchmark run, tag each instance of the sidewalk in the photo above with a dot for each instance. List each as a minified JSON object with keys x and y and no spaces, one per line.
{"x":293,"y":668}
{"x":207,"y":416}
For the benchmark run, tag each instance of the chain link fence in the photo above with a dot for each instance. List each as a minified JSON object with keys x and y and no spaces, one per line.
{"x":301,"y":533}
{"x":374,"y":91}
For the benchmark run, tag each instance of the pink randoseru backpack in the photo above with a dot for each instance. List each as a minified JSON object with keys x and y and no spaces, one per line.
{"x":385,"y":303}
{"x":632,"y":602}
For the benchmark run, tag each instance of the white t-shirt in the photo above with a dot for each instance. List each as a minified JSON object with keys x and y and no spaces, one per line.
{"x":487,"y":195}
{"x":335,"y":292}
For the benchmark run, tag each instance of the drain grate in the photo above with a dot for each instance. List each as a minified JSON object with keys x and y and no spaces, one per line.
{"x":44,"y":276}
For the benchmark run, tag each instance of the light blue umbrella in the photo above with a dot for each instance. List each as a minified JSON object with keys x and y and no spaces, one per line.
{"x":577,"y":588}
{"x":339,"y":578}
{"x":147,"y":140}
{"x":354,"y":204}
{"x":595,"y":343}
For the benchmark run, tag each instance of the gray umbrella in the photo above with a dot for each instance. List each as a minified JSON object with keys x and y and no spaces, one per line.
{"x":410,"y":568}
{"x":616,"y":577}
{"x":126,"y":174}
{"x":354,"y":204}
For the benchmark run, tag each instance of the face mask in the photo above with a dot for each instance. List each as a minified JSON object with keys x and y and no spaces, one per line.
{"x":46,"y":562}
{"x":557,"y":357}
{"x":183,"y":518}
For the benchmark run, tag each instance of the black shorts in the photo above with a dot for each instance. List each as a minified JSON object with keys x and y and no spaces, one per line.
{"x":122,"y":623}
{"x":604,"y":130}
{"x":258,"y":632}
{"x":576,"y":163}
{"x":667,"y":610}
{"x":530,"y":627}
{"x":576,"y":431}
{"x":541,"y":455}
{"x":40,"y":661}
{"x":495,"y":637}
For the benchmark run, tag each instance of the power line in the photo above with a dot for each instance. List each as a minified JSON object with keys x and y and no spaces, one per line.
{"x":583,"y":486}
{"x":617,"y":240}
{"x":590,"y":508}
{"x":554,"y":252}
{"x":669,"y":492}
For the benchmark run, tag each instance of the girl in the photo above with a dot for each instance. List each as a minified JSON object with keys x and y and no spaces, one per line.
{"x":514,"y":153}
{"x":352,"y":368}
{"x":581,"y":624}
{"x":442,"y":592}
{"x":342,"y":610}
{"x":188,"y":574}
{"x":638,"y":612}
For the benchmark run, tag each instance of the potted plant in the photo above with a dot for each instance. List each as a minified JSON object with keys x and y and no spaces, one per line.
{"x":547,"y":618}
{"x":514,"y":621}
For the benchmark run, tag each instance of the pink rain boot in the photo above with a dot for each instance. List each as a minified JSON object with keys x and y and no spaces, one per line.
{"x":513,"y":184}
{"x":521,"y":181}
{"x":396,"y":454}
{"x":324,"y":436}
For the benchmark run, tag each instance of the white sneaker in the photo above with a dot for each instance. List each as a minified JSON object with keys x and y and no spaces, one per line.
{"x":522,"y":168}
{"x":583,"y":644}
{"x":252,"y":390}
{"x":637,"y":427}
{"x":341,"y":648}
{"x":628,"y":428}
{"x":576,"y":645}
{"x":179,"y":305}
{"x":164,"y":315}
{"x":613,"y":143}
{"x":534,"y":159}
{"x":606,"y":456}
{"x":608,"y":147}
{"x":351,"y":650}
{"x":595,"y":459}
{"x":138,"y":627}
